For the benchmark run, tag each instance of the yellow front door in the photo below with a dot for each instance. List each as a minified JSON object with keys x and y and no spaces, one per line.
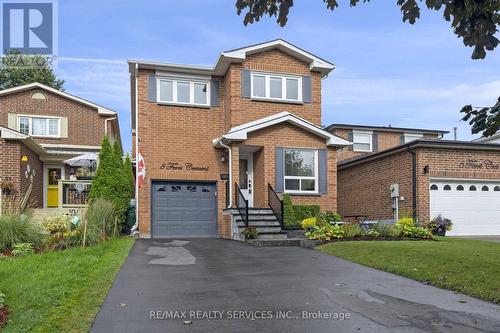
{"x":53,"y":176}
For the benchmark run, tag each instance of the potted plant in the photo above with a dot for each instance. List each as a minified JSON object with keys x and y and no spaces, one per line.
{"x":6,"y":187}
{"x":439,"y":225}
{"x":250,"y":232}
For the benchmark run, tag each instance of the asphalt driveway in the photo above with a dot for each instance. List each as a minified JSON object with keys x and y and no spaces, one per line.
{"x":213,"y":285}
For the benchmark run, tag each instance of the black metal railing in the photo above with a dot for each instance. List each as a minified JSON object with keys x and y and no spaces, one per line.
{"x":276,"y":204}
{"x":241,"y":205}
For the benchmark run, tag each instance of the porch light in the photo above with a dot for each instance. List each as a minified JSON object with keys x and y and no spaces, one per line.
{"x":223,"y":158}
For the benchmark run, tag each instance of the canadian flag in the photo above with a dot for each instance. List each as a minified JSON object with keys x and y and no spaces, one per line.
{"x":141,"y":170}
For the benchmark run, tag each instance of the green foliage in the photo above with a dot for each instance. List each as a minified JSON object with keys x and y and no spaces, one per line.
{"x":383,"y":229}
{"x":100,"y":218}
{"x":485,"y":120}
{"x":372,"y":233}
{"x":18,"y":229}
{"x":129,"y":175}
{"x":250,"y":232}
{"x":2,"y":300}
{"x":351,"y":230}
{"x":474,"y":21}
{"x":305,"y":211}
{"x":405,"y":222}
{"x":289,"y":217}
{"x":326,"y":232}
{"x":13,"y":75}
{"x":22,"y":249}
{"x":309,"y":223}
{"x":329,"y":217}
{"x":57,"y":223}
{"x":112,"y":181}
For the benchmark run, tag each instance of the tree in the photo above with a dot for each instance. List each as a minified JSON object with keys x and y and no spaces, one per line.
{"x":111,"y":182}
{"x":17,"y":69}
{"x":485,"y":120}
{"x":475,"y":21}
{"x":129,"y":175}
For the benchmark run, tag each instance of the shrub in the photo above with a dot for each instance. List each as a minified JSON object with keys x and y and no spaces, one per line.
{"x":405,"y":222}
{"x":309,"y":223}
{"x":250,"y":232}
{"x":383,"y":229}
{"x":410,"y":232}
{"x":290,"y":220}
{"x":100,"y":221}
{"x":351,"y":230}
{"x":326,"y":232}
{"x":329,"y":217}
{"x":439,"y":223}
{"x":18,"y":229}
{"x":305,"y":211}
{"x":22,"y":249}
{"x":57,"y":223}
{"x":372,"y":233}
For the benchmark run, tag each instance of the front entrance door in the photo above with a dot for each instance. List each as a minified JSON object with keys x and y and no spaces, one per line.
{"x":53,"y":175}
{"x":246,"y":178}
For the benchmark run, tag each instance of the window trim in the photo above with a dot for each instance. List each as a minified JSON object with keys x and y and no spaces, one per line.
{"x":192,"y":81}
{"x":414,"y":136}
{"x":315,"y":178}
{"x":47,"y":126}
{"x":267,"y":87}
{"x":369,"y":134}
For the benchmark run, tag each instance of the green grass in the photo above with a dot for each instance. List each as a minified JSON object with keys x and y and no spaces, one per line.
{"x":468,"y":266}
{"x":60,"y":291}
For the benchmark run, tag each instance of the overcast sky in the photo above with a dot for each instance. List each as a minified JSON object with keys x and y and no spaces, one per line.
{"x":387,"y":71}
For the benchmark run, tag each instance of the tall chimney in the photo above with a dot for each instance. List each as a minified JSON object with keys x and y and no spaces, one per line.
{"x":455,"y":133}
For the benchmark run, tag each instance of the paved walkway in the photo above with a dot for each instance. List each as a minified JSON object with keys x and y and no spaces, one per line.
{"x":213,"y":285}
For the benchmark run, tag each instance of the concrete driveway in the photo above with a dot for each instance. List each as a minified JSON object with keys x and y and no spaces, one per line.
{"x":213,"y":285}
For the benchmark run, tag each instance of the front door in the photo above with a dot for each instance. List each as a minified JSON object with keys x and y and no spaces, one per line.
{"x":246,"y":179}
{"x":53,"y":175}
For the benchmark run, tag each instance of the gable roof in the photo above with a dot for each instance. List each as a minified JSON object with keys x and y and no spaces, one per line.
{"x":10,"y":134}
{"x":385,"y":128}
{"x":100,"y":109}
{"x":226,"y":58}
{"x":240,"y":133}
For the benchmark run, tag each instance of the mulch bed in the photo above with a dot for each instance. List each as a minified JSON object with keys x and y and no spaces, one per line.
{"x":4,"y":315}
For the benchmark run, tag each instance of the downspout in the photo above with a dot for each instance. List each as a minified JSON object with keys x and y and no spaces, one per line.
{"x":414,"y":182}
{"x":230,"y":173}
{"x":135,"y":227}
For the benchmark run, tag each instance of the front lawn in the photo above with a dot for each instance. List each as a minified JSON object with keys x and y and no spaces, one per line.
{"x":468,"y":266}
{"x":60,"y":291}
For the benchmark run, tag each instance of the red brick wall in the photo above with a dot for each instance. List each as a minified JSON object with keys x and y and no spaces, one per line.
{"x":85,"y":125}
{"x":9,"y":165}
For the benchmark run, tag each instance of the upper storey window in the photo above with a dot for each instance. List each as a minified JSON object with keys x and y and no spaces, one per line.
{"x":40,"y":126}
{"x":412,"y":137}
{"x":362,"y":141}
{"x":276,"y":87}
{"x":183,"y":91}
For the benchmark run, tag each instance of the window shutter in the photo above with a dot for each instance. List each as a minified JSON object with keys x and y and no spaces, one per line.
{"x":279,"y":186}
{"x":323,"y":171}
{"x":350,"y":138}
{"x":245,"y":83}
{"x":375,"y":142}
{"x":152,"y":88}
{"x":214,"y":93}
{"x":64,"y":127}
{"x":402,"y":139}
{"x":12,"y":121}
{"x":306,"y":89}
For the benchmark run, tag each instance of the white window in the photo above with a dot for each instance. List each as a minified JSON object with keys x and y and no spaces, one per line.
{"x":39,"y":126}
{"x":183,"y":91}
{"x":362,"y":141}
{"x":412,"y":137}
{"x":276,"y":87}
{"x":301,"y":170}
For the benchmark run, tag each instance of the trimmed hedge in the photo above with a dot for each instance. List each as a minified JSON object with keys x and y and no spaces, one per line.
{"x":305,"y":211}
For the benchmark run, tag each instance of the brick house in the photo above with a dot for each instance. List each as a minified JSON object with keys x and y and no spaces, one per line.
{"x":222,"y":144}
{"x":40,"y":127}
{"x":392,"y":171}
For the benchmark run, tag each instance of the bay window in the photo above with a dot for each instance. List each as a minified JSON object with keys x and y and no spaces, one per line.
{"x":276,"y":87}
{"x":301,"y":170}
{"x":183,"y":91}
{"x":39,"y":126}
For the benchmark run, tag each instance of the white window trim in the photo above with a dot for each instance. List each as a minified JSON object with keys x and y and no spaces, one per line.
{"x":30,"y":119}
{"x":413,"y":136}
{"x":315,"y":178}
{"x":267,"y":87}
{"x":191,"y":82}
{"x":369,"y":134}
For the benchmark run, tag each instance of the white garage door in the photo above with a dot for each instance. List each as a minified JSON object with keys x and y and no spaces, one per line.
{"x":473,"y":206}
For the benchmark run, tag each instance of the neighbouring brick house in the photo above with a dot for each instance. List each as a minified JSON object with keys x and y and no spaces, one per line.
{"x":219,"y":140}
{"x":40,"y":127}
{"x":391,"y":171}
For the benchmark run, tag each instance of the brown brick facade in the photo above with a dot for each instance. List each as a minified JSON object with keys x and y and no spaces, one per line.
{"x":364,"y":189}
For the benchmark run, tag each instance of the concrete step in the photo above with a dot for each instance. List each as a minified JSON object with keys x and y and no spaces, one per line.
{"x":264,"y":229}
{"x":257,"y":217}
{"x":273,"y":242}
{"x":251,"y":210}
{"x":264,"y":223}
{"x":272,"y":235}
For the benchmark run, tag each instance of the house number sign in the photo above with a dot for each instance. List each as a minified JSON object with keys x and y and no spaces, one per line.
{"x":174,"y":166}
{"x":479,"y":164}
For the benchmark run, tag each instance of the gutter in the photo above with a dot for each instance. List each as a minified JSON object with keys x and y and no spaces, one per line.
{"x":230,"y":204}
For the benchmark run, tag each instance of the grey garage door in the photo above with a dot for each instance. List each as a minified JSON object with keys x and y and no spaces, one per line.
{"x":184,"y":209}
